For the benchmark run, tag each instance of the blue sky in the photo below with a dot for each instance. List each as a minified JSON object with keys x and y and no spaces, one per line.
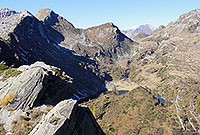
{"x":123,"y":13}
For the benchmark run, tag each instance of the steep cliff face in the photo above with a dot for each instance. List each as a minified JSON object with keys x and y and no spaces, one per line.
{"x":7,"y":55}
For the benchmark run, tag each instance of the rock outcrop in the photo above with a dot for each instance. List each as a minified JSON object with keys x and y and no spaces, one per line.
{"x":67,"y":118}
{"x":37,"y":84}
{"x":27,"y":100}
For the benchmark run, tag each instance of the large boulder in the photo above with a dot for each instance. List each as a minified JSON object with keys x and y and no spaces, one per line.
{"x":55,"y":118}
{"x":67,"y":118}
{"x":38,"y":84}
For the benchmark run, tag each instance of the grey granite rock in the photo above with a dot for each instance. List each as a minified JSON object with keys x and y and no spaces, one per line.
{"x":25,"y":86}
{"x":67,"y":118}
{"x":55,"y":118}
{"x":36,"y":85}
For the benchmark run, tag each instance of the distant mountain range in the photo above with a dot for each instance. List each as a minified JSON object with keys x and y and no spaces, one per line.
{"x":133,"y":31}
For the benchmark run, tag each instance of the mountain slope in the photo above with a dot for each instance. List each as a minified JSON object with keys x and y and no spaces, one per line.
{"x":187,"y":23}
{"x":101,"y":40}
{"x":140,"y":35}
{"x":169,"y":56}
{"x":135,"y":112}
{"x":104,"y":43}
{"x":167,"y":62}
{"x":31,"y":41}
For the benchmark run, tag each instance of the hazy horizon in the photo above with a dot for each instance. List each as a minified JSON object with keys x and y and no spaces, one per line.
{"x":124,"y":14}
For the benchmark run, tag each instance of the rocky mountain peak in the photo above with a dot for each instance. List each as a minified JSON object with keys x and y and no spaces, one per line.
{"x":186,"y":23}
{"x":107,"y":26}
{"x":5,"y":12}
{"x":147,"y":29}
{"x":25,"y":13}
{"x":45,"y":14}
{"x":49,"y":17}
{"x":192,"y":16}
{"x":161,"y":27}
{"x":10,"y":19}
{"x":132,"y":32}
{"x":140,"y":35}
{"x":106,"y":33}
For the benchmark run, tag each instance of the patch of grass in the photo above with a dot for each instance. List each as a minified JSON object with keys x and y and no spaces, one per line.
{"x":54,"y":120}
{"x":111,"y":129}
{"x":10,"y":109}
{"x":48,"y":108}
{"x":125,"y":112}
{"x":2,"y":130}
{"x":3,"y":67}
{"x":36,"y":113}
{"x":132,"y":113}
{"x":25,"y":123}
{"x":161,"y":71}
{"x":197,"y":106}
{"x":9,"y":98}
{"x":11,"y":72}
{"x":22,"y":126}
{"x":133,"y":104}
{"x":163,"y":60}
